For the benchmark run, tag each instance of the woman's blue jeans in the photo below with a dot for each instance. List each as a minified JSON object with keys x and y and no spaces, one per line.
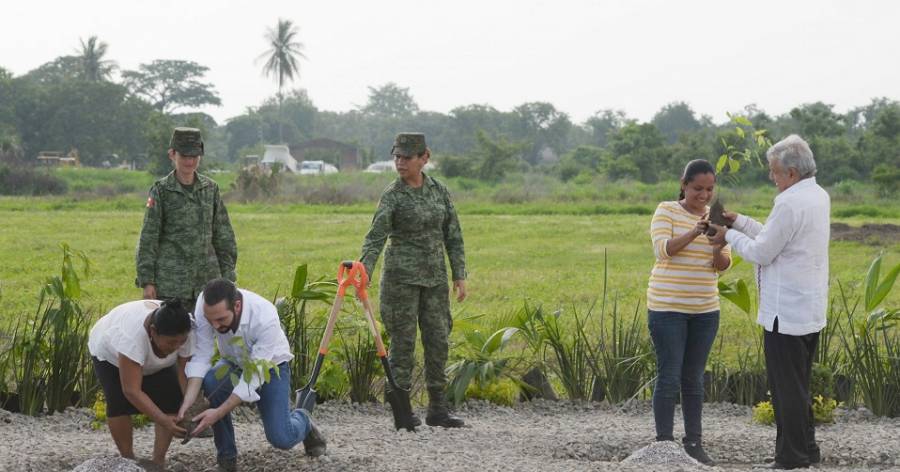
{"x":682,"y":342}
{"x":284,"y":428}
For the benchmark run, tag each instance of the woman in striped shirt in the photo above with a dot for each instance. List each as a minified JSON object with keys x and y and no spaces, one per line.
{"x":683,"y":303}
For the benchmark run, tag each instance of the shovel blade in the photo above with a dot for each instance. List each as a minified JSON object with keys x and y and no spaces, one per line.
{"x":399,"y":400}
{"x":401,"y":408}
{"x":306,"y":399}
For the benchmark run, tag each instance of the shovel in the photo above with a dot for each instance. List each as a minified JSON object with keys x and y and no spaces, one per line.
{"x":306,"y":396}
{"x":398,"y":397}
{"x":355,"y":273}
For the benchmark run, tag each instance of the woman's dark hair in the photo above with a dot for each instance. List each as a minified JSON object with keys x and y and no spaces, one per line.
{"x":171,"y":319}
{"x":693,"y":169}
{"x":220,"y":289}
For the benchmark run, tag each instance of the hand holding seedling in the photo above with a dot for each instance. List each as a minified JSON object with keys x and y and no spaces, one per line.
{"x":717,"y":238}
{"x":206,"y":419}
{"x":729,"y":217}
{"x":171,"y":425}
{"x":702,"y":226}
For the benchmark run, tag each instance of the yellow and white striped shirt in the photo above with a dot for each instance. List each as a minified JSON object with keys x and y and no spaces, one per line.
{"x":686,"y":282}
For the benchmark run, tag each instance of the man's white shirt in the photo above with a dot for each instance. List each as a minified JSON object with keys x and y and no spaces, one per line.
{"x":791,"y":254}
{"x":263,"y":336}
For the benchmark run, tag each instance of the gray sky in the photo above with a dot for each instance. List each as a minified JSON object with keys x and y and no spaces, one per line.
{"x":581,"y":56}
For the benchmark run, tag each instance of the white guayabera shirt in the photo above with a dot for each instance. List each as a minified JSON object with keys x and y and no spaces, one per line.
{"x":263,"y":338}
{"x":791,"y":254}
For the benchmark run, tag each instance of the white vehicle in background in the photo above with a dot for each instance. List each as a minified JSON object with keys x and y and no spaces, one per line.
{"x":317,"y":168}
{"x":380,"y":166}
{"x":388,"y":166}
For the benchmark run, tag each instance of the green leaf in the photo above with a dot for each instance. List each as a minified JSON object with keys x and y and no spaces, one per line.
{"x":734,"y":165}
{"x":221,"y":371}
{"x":740,"y":132}
{"x":736,"y":292}
{"x":883,"y":288}
{"x":234,"y":379}
{"x":741,"y":120}
{"x":723,"y":159}
{"x":299,"y":281}
{"x":311,"y":295}
{"x":872,"y":283}
{"x":237,"y":341}
{"x":498,"y":339}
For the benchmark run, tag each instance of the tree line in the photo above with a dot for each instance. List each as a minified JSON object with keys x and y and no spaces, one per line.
{"x":74,"y":102}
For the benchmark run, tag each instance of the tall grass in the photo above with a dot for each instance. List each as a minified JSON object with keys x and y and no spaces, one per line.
{"x":624,"y":351}
{"x":871,"y":341}
{"x":300,"y":325}
{"x":615,"y":357}
{"x":49,"y":349}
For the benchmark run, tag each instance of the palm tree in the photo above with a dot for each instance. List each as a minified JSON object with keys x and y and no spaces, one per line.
{"x":94,"y":67}
{"x":282,"y":58}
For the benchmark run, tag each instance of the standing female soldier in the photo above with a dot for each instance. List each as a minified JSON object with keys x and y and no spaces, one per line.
{"x":416,"y":214}
{"x":186,"y":239}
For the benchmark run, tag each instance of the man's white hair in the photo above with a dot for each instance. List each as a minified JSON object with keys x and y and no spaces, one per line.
{"x":793,"y":152}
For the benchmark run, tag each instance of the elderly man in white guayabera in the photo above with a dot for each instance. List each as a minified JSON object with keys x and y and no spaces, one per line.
{"x":791,"y":254}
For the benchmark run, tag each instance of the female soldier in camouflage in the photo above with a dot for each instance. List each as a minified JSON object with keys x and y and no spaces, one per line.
{"x":186,"y":239}
{"x":416,"y":214}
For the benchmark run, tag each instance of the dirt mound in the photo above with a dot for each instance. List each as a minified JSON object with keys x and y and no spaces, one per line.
{"x":667,"y":453}
{"x":870,"y":233}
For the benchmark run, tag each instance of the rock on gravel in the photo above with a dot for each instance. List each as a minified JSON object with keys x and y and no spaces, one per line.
{"x":109,"y":464}
{"x":662,"y":453}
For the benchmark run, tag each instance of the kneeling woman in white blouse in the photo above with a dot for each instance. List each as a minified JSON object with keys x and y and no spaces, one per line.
{"x":139,"y":351}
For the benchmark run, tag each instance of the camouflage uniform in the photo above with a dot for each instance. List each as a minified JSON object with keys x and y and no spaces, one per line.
{"x":420,"y":223}
{"x":186,"y":239}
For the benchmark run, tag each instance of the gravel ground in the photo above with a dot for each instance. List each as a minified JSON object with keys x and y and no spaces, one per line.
{"x":538,"y":436}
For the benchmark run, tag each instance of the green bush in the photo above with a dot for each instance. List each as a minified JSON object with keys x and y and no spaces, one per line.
{"x":99,"y":421}
{"x":29,"y":182}
{"x":823,"y":409}
{"x":504,"y":391}
{"x":821,"y":381}
{"x":887,"y":178}
{"x":764,"y":413}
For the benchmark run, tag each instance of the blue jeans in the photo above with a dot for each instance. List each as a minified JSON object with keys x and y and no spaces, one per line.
{"x":682,"y":342}
{"x":284,"y":428}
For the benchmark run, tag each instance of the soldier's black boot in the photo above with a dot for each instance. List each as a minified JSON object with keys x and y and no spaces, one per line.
{"x":439,"y":413}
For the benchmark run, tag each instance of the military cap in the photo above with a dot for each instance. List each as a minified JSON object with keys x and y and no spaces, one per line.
{"x":187,"y":141}
{"x":408,"y":144}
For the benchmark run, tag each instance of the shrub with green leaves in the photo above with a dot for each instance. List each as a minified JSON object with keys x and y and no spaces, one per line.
{"x":48,"y":350}
{"x":481,"y":358}
{"x":504,"y":391}
{"x":871,"y":341}
{"x":823,"y":409}
{"x":99,"y":421}
{"x":301,"y":324}
{"x":764,"y":413}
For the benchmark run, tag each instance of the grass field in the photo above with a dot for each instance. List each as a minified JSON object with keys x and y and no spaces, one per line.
{"x":553,"y":259}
